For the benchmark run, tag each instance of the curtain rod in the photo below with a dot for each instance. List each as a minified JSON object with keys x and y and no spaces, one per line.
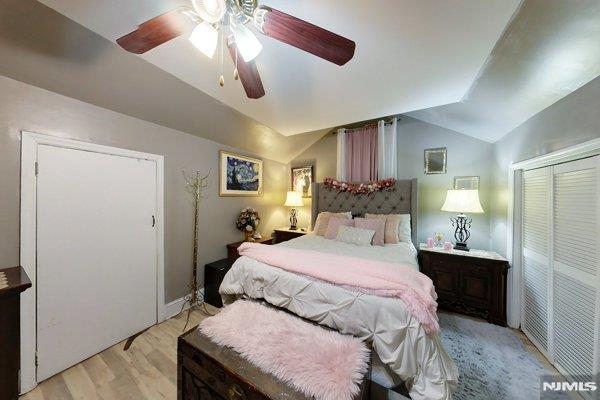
{"x":389,"y":122}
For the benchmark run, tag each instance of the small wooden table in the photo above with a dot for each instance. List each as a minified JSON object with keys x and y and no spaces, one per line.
{"x":232,"y":253}
{"x":285,"y":234}
{"x":13,"y":281}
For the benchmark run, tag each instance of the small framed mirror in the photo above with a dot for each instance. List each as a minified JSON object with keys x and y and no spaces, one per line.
{"x":466,"y":182}
{"x":435,"y":161}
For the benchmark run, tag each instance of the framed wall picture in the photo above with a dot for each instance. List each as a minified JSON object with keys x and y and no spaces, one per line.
{"x":466,"y":182}
{"x":240,"y":175}
{"x":302,"y":179}
{"x":435,"y":161}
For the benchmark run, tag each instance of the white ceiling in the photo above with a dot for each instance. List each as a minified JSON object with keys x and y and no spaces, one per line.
{"x":550,"y":49}
{"x":410,"y":55}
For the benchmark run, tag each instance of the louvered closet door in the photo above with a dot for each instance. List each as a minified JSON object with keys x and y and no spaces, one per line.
{"x":536,"y":256}
{"x":576,"y":266}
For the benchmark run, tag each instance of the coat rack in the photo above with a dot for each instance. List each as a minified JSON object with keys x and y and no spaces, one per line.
{"x":195,"y":185}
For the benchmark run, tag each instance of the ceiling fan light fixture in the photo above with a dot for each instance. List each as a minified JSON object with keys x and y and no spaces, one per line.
{"x":210,"y":11}
{"x":204,"y":37}
{"x":247,"y":43}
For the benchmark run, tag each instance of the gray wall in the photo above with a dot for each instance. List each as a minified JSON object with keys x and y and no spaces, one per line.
{"x":572,"y":120}
{"x":322,"y":156}
{"x":25,"y":107}
{"x":466,"y":156}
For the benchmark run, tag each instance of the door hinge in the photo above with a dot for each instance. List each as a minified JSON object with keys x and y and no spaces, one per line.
{"x":37,"y":168}
{"x":36,"y":359}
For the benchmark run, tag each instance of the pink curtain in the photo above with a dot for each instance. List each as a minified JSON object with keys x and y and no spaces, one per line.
{"x":361,"y":154}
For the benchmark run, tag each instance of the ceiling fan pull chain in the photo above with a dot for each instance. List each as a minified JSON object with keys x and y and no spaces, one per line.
{"x":221,"y":78}
{"x":236,"y":74}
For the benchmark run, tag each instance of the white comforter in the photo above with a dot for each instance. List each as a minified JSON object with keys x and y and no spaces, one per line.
{"x":399,"y":340}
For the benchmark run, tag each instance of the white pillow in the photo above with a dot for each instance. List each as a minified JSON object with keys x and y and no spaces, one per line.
{"x":357,"y":236}
{"x":404,"y":231}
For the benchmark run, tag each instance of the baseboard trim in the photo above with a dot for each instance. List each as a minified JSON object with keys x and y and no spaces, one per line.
{"x":173,"y":308}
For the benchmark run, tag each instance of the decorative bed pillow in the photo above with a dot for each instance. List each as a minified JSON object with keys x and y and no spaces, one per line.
{"x":392,"y":222}
{"x":404,"y":230}
{"x":334,"y":225}
{"x":397,"y":227}
{"x":373,"y":224}
{"x":357,"y":236}
{"x":323,"y":220}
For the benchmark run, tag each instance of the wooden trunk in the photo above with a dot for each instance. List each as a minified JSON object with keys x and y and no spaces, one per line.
{"x":206,"y":371}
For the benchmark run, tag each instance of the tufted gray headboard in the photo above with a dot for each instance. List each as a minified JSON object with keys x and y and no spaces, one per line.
{"x":402,"y":200}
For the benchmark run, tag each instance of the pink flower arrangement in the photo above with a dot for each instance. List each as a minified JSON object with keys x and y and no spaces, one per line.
{"x":361,"y":188}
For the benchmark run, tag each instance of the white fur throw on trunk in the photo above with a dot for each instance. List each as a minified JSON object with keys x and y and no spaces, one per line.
{"x":315,"y":361}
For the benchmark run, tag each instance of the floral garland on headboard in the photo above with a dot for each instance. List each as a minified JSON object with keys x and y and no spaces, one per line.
{"x":361,"y":188}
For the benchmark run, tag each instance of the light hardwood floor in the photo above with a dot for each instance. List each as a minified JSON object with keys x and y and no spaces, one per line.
{"x":148,"y":370}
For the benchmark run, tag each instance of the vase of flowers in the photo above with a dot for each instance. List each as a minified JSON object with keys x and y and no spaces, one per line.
{"x":248,"y":222}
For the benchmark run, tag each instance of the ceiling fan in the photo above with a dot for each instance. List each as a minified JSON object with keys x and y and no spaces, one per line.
{"x":207,"y":18}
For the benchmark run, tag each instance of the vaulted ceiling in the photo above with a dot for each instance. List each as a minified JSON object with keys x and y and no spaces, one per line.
{"x":410,"y":55}
{"x":550,"y":49}
{"x":476,"y":67}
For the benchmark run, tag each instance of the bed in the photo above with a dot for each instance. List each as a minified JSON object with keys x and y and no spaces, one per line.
{"x":404,"y":352}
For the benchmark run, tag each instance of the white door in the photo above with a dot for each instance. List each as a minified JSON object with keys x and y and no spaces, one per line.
{"x":96,"y":253}
{"x":561,"y":264}
{"x":536,"y":256}
{"x":576,"y":267}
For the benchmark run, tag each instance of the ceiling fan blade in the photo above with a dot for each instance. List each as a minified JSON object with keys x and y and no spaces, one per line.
{"x":156,"y":31}
{"x":304,"y":35}
{"x":248,"y":73}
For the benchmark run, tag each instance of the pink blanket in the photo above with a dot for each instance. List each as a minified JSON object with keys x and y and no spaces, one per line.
{"x":371,"y":277}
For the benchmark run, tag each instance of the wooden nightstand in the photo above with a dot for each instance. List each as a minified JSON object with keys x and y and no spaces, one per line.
{"x":232,"y":253}
{"x":471,"y":282}
{"x":285,"y":234}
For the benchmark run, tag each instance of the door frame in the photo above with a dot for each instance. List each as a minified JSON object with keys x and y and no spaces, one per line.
{"x":514,"y":221}
{"x":28,"y":236}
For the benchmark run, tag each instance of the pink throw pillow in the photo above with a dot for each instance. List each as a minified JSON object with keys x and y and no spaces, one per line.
{"x":375,"y":224}
{"x":334,"y":225}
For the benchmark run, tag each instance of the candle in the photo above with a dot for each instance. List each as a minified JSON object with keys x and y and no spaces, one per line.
{"x":430,"y":242}
{"x":448,"y":246}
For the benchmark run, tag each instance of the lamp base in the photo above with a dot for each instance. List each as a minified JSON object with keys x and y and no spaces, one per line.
{"x":461,"y":246}
{"x":293,"y":219}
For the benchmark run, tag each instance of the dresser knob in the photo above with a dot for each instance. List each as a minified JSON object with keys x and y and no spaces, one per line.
{"x":236,"y":393}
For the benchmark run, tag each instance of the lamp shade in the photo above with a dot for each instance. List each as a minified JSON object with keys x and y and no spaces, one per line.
{"x":293,"y":199}
{"x":205,"y":37}
{"x":462,"y":201}
{"x":247,"y":43}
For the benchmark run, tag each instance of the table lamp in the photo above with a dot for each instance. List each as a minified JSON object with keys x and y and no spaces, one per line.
{"x":293,"y":199}
{"x":462,"y":201}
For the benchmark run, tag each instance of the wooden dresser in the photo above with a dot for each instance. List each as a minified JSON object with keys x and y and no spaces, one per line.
{"x":13,"y":281}
{"x":470,"y":282}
